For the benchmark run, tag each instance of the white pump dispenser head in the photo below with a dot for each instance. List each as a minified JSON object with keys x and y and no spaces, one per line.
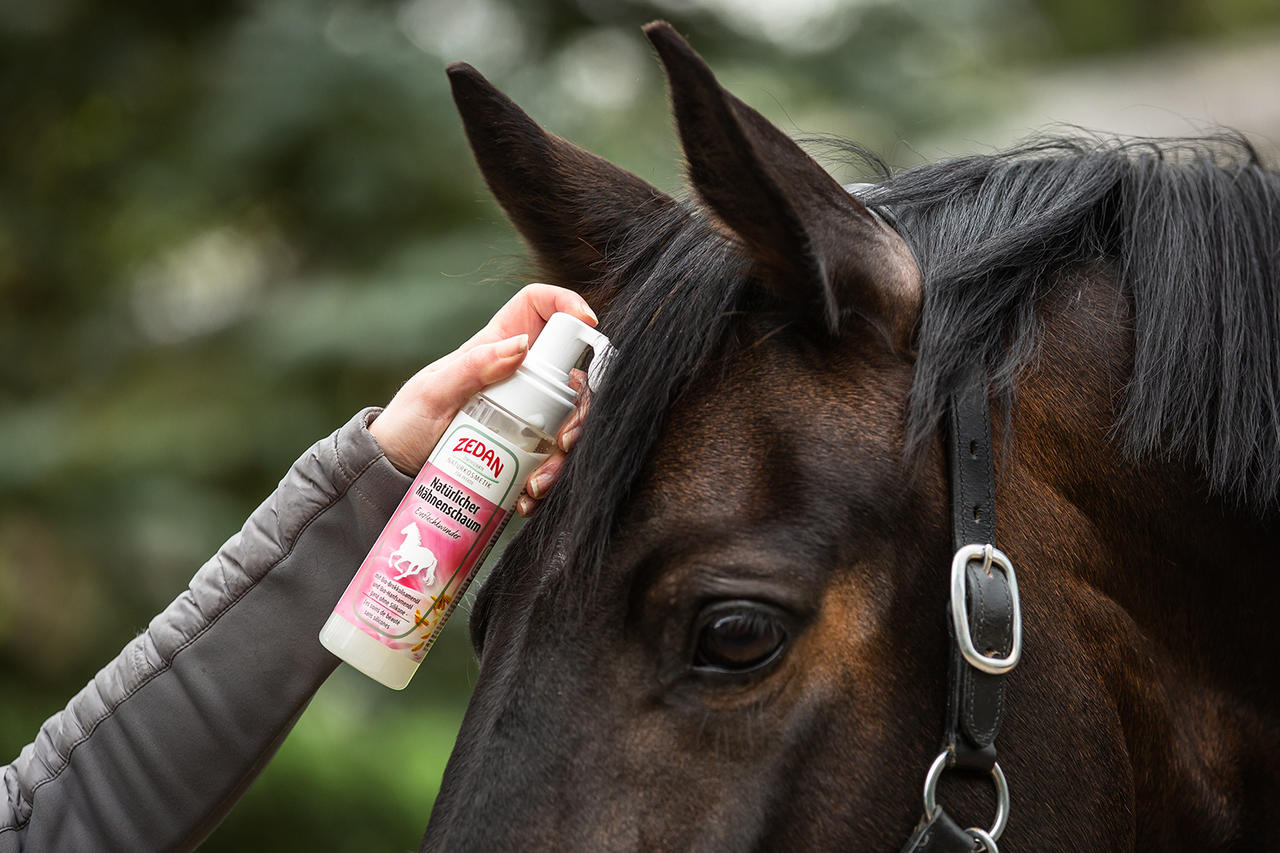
{"x":539,"y":392}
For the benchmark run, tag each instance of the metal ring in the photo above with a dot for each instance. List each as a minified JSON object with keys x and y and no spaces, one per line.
{"x":984,"y":838}
{"x":959,"y":615}
{"x":1002,"y":794}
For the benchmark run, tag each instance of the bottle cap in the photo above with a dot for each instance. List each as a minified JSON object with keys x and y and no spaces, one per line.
{"x":539,"y":392}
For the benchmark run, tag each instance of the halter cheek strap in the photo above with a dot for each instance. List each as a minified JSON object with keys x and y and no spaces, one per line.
{"x":984,"y":623}
{"x":984,"y":618}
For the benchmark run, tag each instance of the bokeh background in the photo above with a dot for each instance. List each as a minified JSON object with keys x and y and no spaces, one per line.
{"x":224,"y":227}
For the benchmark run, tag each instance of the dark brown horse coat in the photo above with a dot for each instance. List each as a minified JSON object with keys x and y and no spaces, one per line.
{"x":726,"y":629}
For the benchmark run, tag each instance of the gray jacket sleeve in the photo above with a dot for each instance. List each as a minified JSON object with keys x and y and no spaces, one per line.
{"x":155,"y":750}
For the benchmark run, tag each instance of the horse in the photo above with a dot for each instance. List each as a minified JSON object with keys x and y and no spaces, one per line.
{"x":729,"y":627}
{"x":414,"y":556}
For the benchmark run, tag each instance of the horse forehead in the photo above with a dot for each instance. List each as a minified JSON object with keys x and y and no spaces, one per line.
{"x":779,"y":414}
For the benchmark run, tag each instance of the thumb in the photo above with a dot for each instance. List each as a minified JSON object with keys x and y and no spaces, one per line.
{"x":417,"y":416}
{"x":477,"y":367}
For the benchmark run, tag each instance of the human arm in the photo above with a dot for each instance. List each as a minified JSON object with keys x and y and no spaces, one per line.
{"x":156,"y":749}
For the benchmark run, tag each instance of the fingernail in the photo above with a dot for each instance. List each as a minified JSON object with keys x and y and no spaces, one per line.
{"x":524,"y":506}
{"x":586,"y":309}
{"x":570,"y":438}
{"x":513,"y":346}
{"x":538,"y":484}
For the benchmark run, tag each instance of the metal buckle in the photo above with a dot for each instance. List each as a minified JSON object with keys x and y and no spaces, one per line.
{"x":988,"y":838}
{"x":960,"y":617}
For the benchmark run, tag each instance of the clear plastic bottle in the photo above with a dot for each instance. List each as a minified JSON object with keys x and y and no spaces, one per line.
{"x":457,"y":506}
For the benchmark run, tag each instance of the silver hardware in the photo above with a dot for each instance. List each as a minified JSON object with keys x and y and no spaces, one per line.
{"x":988,"y":843}
{"x":959,"y":616}
{"x":1002,"y":799}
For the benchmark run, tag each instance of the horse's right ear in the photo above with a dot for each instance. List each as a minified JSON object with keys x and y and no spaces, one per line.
{"x":567,"y":203}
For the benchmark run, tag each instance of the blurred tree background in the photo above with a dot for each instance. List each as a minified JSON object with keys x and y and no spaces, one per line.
{"x":226,"y":227}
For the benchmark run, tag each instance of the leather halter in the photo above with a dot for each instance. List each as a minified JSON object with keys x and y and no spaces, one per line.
{"x":984,"y":619}
{"x":984,"y":624}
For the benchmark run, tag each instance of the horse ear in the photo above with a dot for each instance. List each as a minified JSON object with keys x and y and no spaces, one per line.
{"x":816,"y":244}
{"x":567,"y":203}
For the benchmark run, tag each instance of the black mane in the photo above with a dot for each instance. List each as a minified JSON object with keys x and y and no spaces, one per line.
{"x":680,"y":284}
{"x":1192,"y":230}
{"x":1191,"y":227}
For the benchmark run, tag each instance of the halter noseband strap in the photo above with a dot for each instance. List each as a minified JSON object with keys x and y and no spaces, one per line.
{"x":984,"y":620}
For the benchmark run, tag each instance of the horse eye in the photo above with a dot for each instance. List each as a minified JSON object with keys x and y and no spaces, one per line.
{"x":738,"y":636}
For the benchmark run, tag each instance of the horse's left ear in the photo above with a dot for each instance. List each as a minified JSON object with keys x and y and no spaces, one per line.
{"x":817,"y":245}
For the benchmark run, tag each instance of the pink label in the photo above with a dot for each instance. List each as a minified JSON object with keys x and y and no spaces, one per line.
{"x":423,"y":559}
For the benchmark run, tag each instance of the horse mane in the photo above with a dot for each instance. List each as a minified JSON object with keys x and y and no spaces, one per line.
{"x":1191,"y":227}
{"x":678,"y":285}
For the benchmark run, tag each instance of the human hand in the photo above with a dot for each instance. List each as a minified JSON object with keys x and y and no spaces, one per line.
{"x":411,"y":424}
{"x":546,"y":474}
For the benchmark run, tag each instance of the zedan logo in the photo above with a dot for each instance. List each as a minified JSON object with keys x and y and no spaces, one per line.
{"x":475,"y":447}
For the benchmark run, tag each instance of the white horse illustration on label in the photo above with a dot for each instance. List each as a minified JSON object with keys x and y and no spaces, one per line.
{"x":413,"y":557}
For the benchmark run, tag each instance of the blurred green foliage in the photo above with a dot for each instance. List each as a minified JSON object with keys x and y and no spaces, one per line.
{"x":226,"y":227}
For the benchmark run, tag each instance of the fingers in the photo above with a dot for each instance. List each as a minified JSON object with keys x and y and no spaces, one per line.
{"x":572,"y":429}
{"x":528,"y":311}
{"x":540,"y":482}
{"x":547,"y":299}
{"x":444,"y":386}
{"x":417,"y":416}
{"x":545,"y":476}
{"x":480,"y":366}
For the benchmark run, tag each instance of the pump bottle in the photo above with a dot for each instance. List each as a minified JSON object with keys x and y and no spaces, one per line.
{"x":457,"y":506}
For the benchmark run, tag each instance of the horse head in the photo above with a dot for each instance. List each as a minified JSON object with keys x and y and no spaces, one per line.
{"x":726,"y":629}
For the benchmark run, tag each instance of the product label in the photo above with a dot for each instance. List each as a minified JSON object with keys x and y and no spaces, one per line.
{"x":425,"y":556}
